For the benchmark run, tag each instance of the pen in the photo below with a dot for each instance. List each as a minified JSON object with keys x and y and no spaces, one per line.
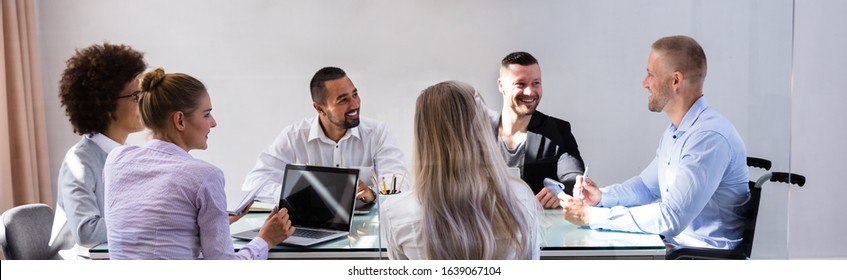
{"x":402,"y":179}
{"x":394,"y":184}
{"x":384,"y":186}
{"x":584,"y":175}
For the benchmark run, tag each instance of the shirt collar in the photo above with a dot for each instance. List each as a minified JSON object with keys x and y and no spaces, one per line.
{"x":168,"y":148}
{"x":691,"y":116}
{"x":316,"y":132}
{"x":105,"y":143}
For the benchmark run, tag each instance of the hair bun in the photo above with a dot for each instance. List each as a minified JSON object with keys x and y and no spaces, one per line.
{"x":153,"y":79}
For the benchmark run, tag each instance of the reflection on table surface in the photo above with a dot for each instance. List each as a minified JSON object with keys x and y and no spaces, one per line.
{"x":364,"y":230}
{"x":558,"y":234}
{"x":560,"y":239}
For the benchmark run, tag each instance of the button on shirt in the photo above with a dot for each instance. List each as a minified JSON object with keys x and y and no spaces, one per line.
{"x":305,"y":143}
{"x":162,"y":203}
{"x":699,"y":175}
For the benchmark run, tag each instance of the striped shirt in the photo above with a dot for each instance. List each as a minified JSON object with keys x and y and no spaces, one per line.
{"x":162,"y":203}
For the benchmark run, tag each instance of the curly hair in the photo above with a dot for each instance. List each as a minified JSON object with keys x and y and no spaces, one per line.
{"x":91,"y":83}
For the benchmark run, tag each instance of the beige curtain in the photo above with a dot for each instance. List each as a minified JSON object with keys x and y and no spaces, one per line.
{"x":24,"y":167}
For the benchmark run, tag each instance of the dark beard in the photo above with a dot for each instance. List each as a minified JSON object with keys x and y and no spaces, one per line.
{"x":344,"y":122}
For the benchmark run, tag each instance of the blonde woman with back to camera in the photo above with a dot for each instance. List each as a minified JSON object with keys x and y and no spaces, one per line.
{"x":161,"y":202}
{"x":464,"y":205}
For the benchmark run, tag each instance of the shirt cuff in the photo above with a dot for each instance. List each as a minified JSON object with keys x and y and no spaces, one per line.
{"x":598,"y":217}
{"x":606,"y":198}
{"x":259,"y":247}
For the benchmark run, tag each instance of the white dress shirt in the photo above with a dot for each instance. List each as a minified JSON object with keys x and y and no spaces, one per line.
{"x":401,"y":223}
{"x":361,"y":147}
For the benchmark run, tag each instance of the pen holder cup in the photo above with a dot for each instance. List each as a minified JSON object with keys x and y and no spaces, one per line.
{"x":389,"y":184}
{"x":386,"y":202}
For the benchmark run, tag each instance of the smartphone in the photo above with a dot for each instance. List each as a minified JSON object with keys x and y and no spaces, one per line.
{"x":556,"y":188}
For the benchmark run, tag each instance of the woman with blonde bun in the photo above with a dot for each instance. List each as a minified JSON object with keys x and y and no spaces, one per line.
{"x":162,"y":203}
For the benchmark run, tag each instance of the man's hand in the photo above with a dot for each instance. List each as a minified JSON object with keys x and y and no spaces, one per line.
{"x":547,"y":199}
{"x":575,"y":211}
{"x":364,"y":193}
{"x":591,"y":194}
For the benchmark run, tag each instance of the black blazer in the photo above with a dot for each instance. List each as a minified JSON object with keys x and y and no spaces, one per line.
{"x":550,"y":146}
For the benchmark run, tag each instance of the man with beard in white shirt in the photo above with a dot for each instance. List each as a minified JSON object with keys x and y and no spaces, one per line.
{"x":336,"y":137}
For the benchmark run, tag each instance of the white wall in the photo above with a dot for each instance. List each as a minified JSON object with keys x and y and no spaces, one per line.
{"x":817,"y":221}
{"x":257,"y":57}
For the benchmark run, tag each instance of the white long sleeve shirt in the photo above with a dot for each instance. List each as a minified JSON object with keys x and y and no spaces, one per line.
{"x":305,"y":143}
{"x":401,"y":221}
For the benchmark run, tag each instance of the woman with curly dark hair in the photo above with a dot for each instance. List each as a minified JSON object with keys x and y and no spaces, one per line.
{"x":99,"y":90}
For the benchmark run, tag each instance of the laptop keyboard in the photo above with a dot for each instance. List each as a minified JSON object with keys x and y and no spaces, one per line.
{"x":313,"y":234}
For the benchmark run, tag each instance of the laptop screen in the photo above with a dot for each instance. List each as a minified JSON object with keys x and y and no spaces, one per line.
{"x":319,"y":197}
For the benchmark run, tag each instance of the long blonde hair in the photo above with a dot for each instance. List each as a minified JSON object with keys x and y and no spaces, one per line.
{"x":469,"y":210}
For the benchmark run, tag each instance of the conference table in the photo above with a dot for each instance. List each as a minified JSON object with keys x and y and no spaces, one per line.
{"x":560,"y":240}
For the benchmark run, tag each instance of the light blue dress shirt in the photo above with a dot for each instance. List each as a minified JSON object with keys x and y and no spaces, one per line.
{"x":692,"y":192}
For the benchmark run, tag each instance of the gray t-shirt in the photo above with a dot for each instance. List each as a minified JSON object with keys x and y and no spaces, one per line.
{"x":513,"y":158}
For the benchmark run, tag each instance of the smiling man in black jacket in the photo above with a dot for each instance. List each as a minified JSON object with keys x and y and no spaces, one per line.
{"x":539,"y":145}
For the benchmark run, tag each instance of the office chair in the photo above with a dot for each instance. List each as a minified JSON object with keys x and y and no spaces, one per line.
{"x":25,"y":233}
{"x":743,"y":250}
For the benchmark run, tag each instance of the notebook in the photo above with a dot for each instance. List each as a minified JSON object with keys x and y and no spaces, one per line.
{"x":320,"y":203}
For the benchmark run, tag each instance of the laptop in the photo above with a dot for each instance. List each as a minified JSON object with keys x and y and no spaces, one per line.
{"x":320,"y":203}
